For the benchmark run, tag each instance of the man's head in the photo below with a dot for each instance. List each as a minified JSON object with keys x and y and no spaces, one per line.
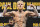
{"x":11,"y":21}
{"x":20,"y":5}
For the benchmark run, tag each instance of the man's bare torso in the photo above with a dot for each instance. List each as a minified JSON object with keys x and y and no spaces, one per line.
{"x":20,"y":18}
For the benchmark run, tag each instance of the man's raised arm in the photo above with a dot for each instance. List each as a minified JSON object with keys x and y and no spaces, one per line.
{"x":35,"y":10}
{"x":30,"y":13}
{"x":5,"y":13}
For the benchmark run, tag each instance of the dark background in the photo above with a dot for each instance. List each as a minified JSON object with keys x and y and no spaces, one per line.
{"x":17,"y":0}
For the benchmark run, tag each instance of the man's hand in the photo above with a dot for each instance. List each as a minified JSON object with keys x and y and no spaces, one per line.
{"x":8,"y":5}
{"x":31,"y":5}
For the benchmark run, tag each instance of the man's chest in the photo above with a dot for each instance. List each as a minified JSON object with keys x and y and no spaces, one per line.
{"x":20,"y":14}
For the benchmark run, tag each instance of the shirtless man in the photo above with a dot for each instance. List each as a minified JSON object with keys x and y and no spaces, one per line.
{"x":20,"y":16}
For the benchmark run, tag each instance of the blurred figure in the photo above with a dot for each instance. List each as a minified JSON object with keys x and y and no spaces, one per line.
{"x":20,"y":16}
{"x":11,"y":23}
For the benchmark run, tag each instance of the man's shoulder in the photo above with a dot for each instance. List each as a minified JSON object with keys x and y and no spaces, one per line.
{"x":26,"y":11}
{"x":13,"y":11}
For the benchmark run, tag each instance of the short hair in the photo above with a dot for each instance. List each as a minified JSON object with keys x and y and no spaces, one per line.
{"x":11,"y":19}
{"x":19,"y":0}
